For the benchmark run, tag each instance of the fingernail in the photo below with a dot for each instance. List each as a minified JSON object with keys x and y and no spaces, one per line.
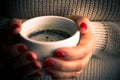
{"x":36,"y":66}
{"x":15,"y":26}
{"x":49,"y":63}
{"x":59,"y":54}
{"x":50,"y":71}
{"x":22,"y":49}
{"x":30,"y":57}
{"x":83,"y":26}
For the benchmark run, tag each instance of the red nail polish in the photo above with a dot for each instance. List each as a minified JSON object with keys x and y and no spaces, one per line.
{"x":50,"y":71}
{"x":30,"y":57}
{"x":22,"y":48}
{"x":49,"y":63}
{"x":59,"y":54}
{"x":83,"y":26}
{"x":15,"y":26}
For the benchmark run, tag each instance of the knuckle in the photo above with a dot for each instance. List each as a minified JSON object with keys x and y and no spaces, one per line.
{"x":80,"y":66}
{"x":75,"y":74}
{"x":84,"y":52}
{"x":83,"y":55}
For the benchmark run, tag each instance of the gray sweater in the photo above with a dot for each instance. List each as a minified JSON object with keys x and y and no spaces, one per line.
{"x":105,"y":23}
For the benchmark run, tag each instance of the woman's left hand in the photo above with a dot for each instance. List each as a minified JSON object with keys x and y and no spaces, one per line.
{"x":67,"y":63}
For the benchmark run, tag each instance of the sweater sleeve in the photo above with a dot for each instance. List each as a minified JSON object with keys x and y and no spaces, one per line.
{"x":107,"y":35}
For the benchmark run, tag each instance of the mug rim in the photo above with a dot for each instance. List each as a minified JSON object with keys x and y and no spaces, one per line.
{"x":48,"y":42}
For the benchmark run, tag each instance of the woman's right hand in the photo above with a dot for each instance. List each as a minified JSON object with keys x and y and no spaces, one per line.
{"x":16,"y":58}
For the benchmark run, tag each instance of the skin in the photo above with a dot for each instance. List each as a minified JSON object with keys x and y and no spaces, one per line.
{"x":70,"y":65}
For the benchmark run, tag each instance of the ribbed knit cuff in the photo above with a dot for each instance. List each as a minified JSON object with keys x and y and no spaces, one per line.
{"x":100,"y":34}
{"x":107,"y":38}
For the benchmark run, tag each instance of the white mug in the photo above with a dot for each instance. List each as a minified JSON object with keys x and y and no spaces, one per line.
{"x":46,"y":49}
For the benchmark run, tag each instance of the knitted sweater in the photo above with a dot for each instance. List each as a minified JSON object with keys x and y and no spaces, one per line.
{"x":105,"y":23}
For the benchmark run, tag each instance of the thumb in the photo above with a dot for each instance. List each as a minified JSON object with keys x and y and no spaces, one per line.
{"x":15,"y":25}
{"x":83,"y":25}
{"x":85,"y":45}
{"x":85,"y":30}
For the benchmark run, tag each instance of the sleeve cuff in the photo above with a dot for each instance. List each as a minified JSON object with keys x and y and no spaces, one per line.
{"x":107,"y":35}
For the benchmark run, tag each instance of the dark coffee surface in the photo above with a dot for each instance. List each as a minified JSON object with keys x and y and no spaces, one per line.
{"x":49,"y":35}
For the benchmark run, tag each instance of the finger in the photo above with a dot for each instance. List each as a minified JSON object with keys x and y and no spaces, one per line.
{"x":67,"y":75}
{"x":23,"y":59}
{"x":85,"y":31}
{"x":35,"y":76}
{"x":83,"y":25}
{"x":63,"y":75}
{"x":15,"y":25}
{"x":9,"y":34}
{"x":84,"y":46}
{"x":73,"y":53}
{"x":67,"y":66}
{"x":9,"y":52}
{"x":65,"y":69}
{"x":29,"y":69}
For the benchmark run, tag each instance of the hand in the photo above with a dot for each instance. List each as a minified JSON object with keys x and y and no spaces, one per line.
{"x":16,"y":61}
{"x":67,"y":63}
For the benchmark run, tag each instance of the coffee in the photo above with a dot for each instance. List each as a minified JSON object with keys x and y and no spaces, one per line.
{"x":49,"y":35}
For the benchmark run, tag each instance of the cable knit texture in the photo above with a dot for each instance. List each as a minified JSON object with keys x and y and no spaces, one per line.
{"x":105,"y":23}
{"x":107,"y":10}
